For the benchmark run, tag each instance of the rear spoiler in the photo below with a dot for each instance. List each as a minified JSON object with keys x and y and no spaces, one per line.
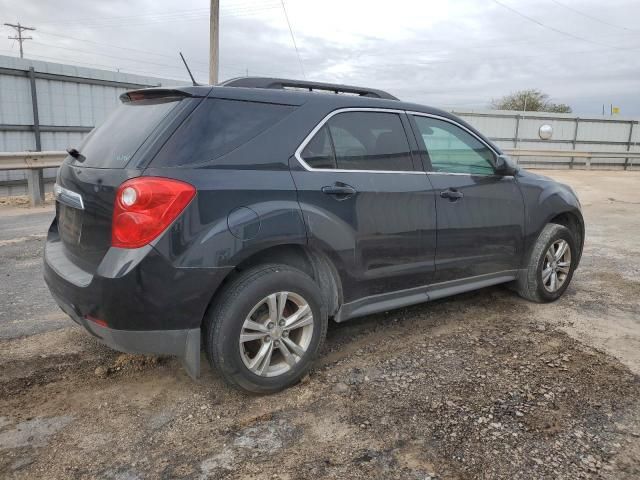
{"x":153,"y":94}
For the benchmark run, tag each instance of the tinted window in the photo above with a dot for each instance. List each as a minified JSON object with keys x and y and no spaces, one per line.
{"x":217,"y":127}
{"x":361,"y":141}
{"x":319,"y":151}
{"x":452,"y":149}
{"x":113,"y":143}
{"x":370,"y":141}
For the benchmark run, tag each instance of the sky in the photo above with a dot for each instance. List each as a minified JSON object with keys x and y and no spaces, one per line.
{"x":454,"y":54}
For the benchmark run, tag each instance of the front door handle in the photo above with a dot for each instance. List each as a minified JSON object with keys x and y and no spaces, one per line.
{"x":452,"y":194}
{"x":340,"y":191}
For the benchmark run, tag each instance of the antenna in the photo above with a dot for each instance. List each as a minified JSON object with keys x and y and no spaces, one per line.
{"x":195,"y":84}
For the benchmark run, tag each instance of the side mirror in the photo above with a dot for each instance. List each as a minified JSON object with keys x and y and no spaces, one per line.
{"x":504,"y":165}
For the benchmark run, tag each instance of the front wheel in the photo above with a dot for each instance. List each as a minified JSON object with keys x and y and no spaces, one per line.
{"x":266,"y":328}
{"x":551,"y":265}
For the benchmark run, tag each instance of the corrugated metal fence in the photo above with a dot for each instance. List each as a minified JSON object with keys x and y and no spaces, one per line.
{"x":51,"y":106}
{"x":596,"y":134}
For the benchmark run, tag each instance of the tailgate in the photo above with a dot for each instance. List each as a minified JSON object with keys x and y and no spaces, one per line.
{"x":89,"y":178}
{"x":84,"y":210}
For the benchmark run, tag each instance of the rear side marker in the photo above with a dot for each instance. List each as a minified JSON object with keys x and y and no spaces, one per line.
{"x":145,"y":207}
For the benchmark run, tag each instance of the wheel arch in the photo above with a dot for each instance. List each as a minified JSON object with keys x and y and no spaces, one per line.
{"x":302,"y":257}
{"x":575,"y":223}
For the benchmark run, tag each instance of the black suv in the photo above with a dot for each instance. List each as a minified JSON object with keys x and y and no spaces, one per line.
{"x":249,"y":214}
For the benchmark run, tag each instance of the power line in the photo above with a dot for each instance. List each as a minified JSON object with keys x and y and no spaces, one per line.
{"x":19,"y":28}
{"x":595,"y":19}
{"x":151,"y":73}
{"x":181,"y":18}
{"x":238,"y":69}
{"x":84,"y":40}
{"x":184,"y":15}
{"x":504,"y":43}
{"x":231,"y":8}
{"x":84,"y":64}
{"x":118,"y":57}
{"x":235,"y":66}
{"x":293,"y":38}
{"x":549,"y":27}
{"x":238,"y":66}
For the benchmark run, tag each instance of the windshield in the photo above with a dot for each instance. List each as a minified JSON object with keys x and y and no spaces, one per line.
{"x":112,"y":144}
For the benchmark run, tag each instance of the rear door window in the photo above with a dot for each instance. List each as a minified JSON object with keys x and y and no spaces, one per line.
{"x":112,"y":144}
{"x":216,"y":128}
{"x":361,"y":141}
{"x":319,"y":151}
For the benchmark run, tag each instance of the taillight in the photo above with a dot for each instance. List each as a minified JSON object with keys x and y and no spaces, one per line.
{"x":145,"y":207}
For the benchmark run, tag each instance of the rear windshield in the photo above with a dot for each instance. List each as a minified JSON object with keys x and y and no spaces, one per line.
{"x":216,"y":128}
{"x":112,"y":144}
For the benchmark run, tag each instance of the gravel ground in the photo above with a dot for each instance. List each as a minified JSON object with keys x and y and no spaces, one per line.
{"x":25,"y":306}
{"x":483,"y":385}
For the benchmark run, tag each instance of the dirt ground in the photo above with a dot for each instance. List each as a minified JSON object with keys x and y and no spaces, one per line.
{"x":482,"y":385}
{"x":22,"y":201}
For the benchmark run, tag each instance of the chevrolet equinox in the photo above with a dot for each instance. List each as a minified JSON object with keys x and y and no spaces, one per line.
{"x":240,"y":218}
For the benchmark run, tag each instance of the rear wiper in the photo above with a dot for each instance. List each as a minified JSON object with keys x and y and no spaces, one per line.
{"x":76,"y":154}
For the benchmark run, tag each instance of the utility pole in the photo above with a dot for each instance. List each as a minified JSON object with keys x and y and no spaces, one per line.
{"x":214,"y":44}
{"x":19,"y":28}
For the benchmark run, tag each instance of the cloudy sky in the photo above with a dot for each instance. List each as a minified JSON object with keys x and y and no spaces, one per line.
{"x":457,"y":54}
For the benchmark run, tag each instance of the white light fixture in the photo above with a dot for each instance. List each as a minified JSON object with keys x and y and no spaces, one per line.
{"x":545,"y":132}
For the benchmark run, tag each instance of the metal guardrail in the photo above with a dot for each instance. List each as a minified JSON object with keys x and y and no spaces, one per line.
{"x":34,"y":163}
{"x":520,"y":152}
{"x":588,"y":157}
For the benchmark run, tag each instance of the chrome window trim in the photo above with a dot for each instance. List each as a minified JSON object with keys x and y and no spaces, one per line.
{"x":473,"y":134}
{"x":68,"y":197}
{"x":306,"y":166}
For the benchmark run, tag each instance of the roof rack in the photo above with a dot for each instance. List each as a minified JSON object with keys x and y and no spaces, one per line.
{"x":283,"y":83}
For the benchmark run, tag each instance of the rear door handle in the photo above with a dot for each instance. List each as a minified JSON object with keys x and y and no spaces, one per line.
{"x":451,"y":194}
{"x":340,"y":190}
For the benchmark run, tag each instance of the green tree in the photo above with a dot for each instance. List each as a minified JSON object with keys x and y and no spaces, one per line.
{"x":531,"y":100}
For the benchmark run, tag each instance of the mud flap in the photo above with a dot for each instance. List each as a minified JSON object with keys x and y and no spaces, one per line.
{"x":191,"y":356}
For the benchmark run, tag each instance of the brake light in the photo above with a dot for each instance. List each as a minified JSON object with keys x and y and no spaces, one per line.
{"x":145,"y":207}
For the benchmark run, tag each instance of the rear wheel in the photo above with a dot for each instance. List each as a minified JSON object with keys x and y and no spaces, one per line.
{"x":266,"y":328}
{"x":551,"y":265}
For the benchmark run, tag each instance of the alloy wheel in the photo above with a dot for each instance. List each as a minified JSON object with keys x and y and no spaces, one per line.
{"x":556,"y":266}
{"x":276,"y":334}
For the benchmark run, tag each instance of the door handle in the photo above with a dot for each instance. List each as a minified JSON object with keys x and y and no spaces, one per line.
{"x":452,"y":194}
{"x":340,"y":191}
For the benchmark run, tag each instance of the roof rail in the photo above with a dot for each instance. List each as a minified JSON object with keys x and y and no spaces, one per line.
{"x":282,"y":83}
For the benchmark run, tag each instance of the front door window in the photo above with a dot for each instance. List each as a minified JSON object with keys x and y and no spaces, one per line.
{"x":452,"y":150}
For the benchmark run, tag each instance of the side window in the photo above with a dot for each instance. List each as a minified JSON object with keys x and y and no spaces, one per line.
{"x":216,"y":127}
{"x":348,"y":147}
{"x":451,"y":149}
{"x":370,"y":141}
{"x":360,"y":141}
{"x":319,"y":151}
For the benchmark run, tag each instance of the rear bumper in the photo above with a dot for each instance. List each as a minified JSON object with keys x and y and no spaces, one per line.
{"x":143,"y":303}
{"x":180,"y":343}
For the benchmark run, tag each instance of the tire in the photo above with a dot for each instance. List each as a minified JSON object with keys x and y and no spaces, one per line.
{"x":531,"y":285}
{"x":249,"y":294}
